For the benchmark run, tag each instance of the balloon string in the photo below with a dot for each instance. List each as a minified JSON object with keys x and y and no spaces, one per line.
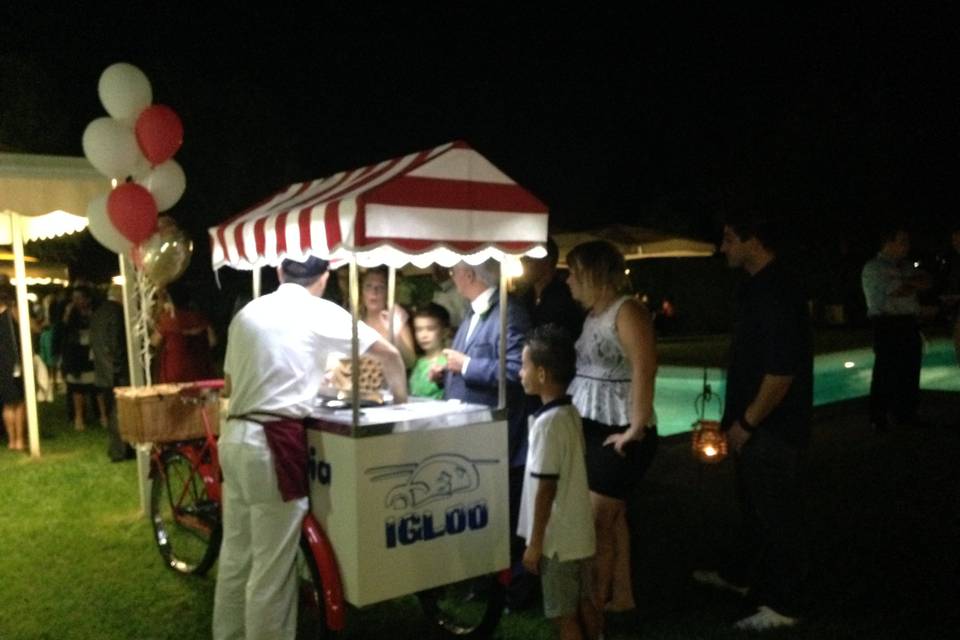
{"x":144,"y":321}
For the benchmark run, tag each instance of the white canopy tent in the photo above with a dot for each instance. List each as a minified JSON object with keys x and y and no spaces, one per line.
{"x":38,"y":273}
{"x":40,"y":197}
{"x":636,"y":242}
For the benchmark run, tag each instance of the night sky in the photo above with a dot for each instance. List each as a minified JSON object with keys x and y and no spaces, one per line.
{"x":656,"y":116}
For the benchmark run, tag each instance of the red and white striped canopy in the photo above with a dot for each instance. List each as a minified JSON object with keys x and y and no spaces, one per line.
{"x":441,"y":205}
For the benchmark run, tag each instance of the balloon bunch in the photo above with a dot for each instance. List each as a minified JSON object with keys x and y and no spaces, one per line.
{"x":135,"y":148}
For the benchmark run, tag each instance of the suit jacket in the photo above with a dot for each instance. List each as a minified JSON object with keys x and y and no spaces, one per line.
{"x":480,"y":383}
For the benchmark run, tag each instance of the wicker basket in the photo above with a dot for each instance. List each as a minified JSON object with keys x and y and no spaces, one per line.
{"x":157,"y":414}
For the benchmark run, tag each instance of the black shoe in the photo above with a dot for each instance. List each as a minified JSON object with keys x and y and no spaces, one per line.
{"x":522,"y":592}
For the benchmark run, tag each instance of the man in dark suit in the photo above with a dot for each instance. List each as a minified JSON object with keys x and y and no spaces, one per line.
{"x":472,"y":375}
{"x":473,"y":365}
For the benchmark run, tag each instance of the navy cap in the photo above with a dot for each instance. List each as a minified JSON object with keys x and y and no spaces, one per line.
{"x":312,"y":266}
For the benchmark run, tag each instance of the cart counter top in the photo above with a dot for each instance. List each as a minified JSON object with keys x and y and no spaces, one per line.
{"x":416,"y":415}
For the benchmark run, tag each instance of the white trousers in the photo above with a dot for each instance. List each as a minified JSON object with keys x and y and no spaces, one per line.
{"x":256,"y":593}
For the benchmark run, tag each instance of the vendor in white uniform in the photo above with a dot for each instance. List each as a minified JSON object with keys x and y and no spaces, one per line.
{"x":276,"y":350}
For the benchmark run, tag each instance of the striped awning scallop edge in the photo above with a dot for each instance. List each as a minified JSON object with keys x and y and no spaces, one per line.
{"x":436,"y":206}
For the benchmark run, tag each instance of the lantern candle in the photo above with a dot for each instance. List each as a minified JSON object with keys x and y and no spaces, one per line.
{"x":709,"y":443}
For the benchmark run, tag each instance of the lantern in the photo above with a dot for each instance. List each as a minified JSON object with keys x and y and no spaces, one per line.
{"x":709,"y":443}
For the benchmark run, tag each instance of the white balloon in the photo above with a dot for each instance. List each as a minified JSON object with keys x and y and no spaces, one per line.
{"x":166,"y":182}
{"x":113,"y":150}
{"x":124,"y":92}
{"x":102,"y":229}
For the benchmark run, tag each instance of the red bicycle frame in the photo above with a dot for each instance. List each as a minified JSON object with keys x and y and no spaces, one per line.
{"x":205,"y":458}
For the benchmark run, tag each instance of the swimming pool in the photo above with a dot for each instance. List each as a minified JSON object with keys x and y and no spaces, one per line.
{"x":837,"y":376}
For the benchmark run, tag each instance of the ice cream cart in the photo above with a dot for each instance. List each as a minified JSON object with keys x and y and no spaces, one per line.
{"x":411,"y":498}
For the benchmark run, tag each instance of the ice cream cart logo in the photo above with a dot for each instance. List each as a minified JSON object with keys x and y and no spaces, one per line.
{"x":437,"y":477}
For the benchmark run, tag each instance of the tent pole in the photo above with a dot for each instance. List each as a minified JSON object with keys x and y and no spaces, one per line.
{"x":355,"y":338}
{"x":391,"y":300}
{"x":256,"y":282}
{"x":502,"y":378}
{"x":130,"y":304}
{"x":26,"y":342}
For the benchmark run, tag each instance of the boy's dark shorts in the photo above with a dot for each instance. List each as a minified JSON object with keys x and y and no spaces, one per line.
{"x":565,"y":584}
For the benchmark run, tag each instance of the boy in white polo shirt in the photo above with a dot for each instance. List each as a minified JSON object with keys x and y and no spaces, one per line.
{"x":555,"y":514}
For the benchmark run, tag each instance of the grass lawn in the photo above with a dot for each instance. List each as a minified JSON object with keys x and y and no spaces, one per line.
{"x":77,"y":558}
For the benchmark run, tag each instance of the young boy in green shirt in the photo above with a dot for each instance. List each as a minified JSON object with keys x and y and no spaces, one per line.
{"x":431,"y":329}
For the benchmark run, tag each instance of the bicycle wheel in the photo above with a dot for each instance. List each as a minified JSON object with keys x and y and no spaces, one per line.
{"x":311,"y":610}
{"x":186,"y":523}
{"x":467,"y":609}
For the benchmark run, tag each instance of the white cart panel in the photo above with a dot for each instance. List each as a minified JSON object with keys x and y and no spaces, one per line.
{"x":411,"y":510}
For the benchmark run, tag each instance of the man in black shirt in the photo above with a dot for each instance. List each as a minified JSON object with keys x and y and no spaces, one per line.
{"x":769,"y":401}
{"x":548,"y":297}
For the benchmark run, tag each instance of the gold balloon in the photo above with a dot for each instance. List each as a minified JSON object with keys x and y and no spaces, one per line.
{"x":166,"y":254}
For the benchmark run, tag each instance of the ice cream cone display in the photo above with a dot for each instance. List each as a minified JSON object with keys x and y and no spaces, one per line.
{"x":371,"y":379}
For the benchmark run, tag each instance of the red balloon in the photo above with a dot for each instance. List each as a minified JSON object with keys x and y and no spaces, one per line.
{"x":159,"y":133}
{"x":133,"y":211}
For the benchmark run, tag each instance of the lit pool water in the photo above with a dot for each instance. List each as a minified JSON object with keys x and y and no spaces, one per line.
{"x":837,"y":376}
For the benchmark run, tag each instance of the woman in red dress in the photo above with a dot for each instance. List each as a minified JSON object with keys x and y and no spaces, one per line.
{"x":184,"y":339}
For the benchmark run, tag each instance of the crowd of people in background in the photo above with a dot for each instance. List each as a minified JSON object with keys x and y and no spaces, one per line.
{"x":79,"y":342}
{"x":11,"y":380}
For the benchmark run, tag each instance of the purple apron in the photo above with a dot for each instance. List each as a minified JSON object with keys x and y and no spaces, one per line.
{"x":287,"y":439}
